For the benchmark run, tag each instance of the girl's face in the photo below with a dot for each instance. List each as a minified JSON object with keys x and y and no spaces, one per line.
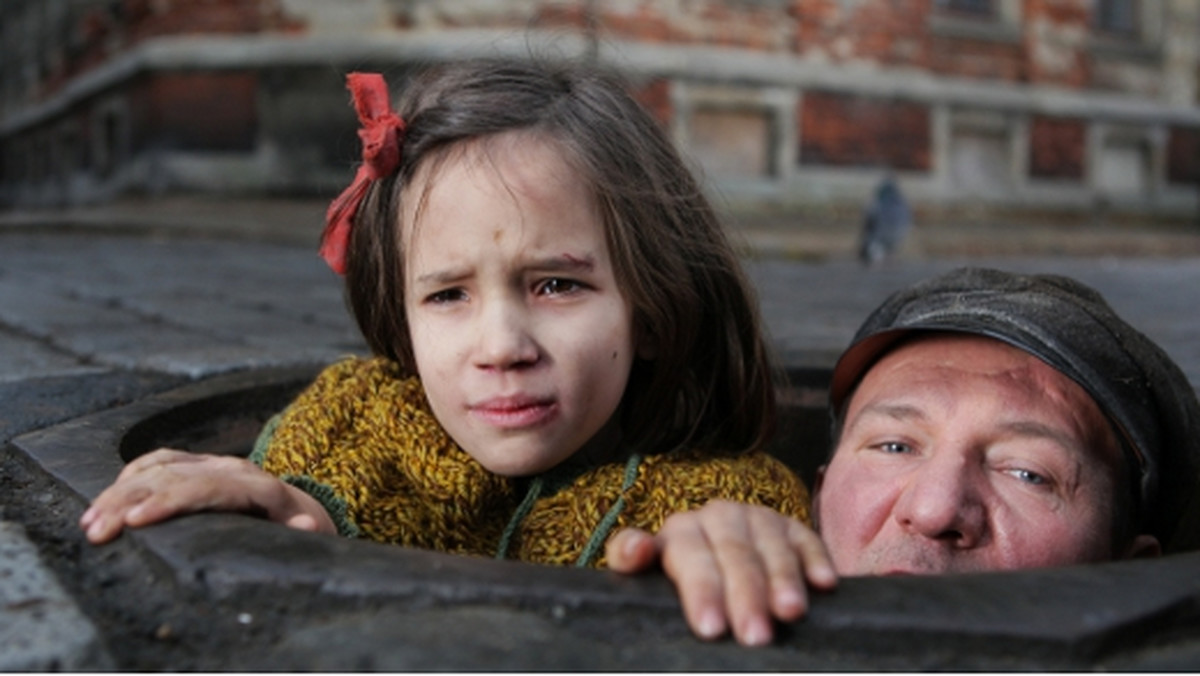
{"x":521,"y":337}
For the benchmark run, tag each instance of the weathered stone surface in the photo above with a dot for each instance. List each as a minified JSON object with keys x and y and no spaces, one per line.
{"x":41,"y":628}
{"x":34,"y":403}
{"x":391,"y":607}
{"x":226,"y":592}
{"x":22,"y":357}
{"x":137,"y":304}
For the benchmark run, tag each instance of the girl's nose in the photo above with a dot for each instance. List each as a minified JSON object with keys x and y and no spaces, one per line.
{"x":504,"y":340}
{"x":942,"y":501}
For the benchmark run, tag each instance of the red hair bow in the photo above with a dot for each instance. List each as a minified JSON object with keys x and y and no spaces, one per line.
{"x":382,"y":133}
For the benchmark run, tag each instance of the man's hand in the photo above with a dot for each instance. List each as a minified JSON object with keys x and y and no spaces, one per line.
{"x":168,"y":483}
{"x":734,"y":565}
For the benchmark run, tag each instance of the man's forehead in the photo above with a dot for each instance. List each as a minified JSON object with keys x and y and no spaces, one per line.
{"x":947,"y":367}
{"x":934,"y":356}
{"x":931,"y":355}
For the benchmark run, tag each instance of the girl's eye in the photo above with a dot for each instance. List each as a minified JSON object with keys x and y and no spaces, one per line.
{"x":445,"y":296}
{"x":556,"y":286}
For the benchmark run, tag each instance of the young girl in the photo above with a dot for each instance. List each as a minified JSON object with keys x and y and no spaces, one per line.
{"x":564,"y":341}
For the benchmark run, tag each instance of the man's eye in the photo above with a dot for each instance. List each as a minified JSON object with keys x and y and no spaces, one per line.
{"x":1029,"y":477}
{"x":895,"y":447}
{"x":558,"y":286}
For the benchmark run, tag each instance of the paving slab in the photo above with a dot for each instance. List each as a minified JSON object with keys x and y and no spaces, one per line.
{"x":191,"y":308}
{"x":110,"y":335}
{"x":35,"y":403}
{"x":24,"y":357}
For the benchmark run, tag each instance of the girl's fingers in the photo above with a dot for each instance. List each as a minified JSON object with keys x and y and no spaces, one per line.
{"x":167,"y":483}
{"x":157,"y":458}
{"x":302,"y":522}
{"x":631,"y":550}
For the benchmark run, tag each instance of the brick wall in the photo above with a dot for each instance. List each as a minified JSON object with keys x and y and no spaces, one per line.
{"x":1056,"y":42}
{"x":145,"y":19}
{"x":844,"y":130}
{"x":1057,"y":147}
{"x":655,"y":96}
{"x":98,"y":31}
{"x":867,"y":124}
{"x":203,"y":111}
{"x":1183,"y":156}
{"x":882,"y":31}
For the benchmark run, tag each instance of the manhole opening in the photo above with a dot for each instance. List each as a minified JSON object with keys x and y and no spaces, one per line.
{"x":227,"y":423}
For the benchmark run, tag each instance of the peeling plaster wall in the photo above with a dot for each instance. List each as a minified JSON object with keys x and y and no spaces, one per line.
{"x":75,"y":125}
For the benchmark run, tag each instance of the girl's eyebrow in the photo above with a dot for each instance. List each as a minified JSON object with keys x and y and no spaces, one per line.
{"x":439,"y":277}
{"x":566,"y":261}
{"x":562,"y":263}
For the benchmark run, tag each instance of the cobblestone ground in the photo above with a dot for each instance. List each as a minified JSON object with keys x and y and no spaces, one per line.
{"x":90,"y":320}
{"x":72,"y":304}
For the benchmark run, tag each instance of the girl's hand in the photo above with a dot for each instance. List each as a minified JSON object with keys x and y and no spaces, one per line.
{"x":168,"y":483}
{"x":733,"y":565}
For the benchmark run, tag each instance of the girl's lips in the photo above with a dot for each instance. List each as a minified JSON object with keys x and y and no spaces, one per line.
{"x":514,"y":412}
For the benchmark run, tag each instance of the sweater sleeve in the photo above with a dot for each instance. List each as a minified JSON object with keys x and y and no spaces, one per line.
{"x":362,"y":441}
{"x":680,"y":482}
{"x":324,"y":494}
{"x":558,"y":527}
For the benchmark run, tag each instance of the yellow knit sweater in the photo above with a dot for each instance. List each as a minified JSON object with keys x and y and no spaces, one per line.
{"x":364,"y":442}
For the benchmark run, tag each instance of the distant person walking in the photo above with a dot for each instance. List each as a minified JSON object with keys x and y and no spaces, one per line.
{"x":886,"y":223}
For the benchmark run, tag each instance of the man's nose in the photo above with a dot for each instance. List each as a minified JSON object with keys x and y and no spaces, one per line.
{"x":942,"y":501}
{"x":503,"y":337}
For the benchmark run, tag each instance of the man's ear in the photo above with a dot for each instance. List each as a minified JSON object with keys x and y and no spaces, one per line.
{"x":818,"y":481}
{"x":1144,"y":547}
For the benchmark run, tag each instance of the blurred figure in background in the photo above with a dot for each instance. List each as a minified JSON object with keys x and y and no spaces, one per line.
{"x":886,"y":223}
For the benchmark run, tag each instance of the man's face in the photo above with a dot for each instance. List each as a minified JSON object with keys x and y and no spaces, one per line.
{"x":961,"y":453}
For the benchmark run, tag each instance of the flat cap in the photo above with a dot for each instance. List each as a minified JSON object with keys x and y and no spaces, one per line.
{"x":1070,"y":326}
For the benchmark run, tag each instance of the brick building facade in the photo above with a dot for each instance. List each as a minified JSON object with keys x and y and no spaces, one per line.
{"x":997,"y":106}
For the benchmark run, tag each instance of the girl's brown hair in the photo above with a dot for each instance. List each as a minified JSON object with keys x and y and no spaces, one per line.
{"x":710,"y":383}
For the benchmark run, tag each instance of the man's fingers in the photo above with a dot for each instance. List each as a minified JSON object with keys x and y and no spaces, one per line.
{"x":785,"y":593}
{"x":765,"y":561}
{"x":818,"y":568}
{"x":737,"y":542}
{"x":688,"y":560}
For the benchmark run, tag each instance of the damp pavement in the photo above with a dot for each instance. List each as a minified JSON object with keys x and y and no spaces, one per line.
{"x":120,"y":314}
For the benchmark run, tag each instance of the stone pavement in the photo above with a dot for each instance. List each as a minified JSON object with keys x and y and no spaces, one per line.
{"x":118,"y":315}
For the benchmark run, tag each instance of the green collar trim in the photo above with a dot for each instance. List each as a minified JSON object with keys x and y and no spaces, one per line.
{"x":549,"y":483}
